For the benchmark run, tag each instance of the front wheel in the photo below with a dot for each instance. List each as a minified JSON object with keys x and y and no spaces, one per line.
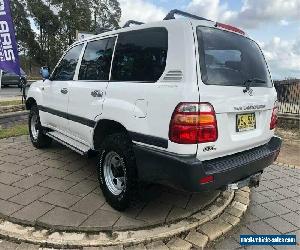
{"x":38,"y":138}
{"x":117,"y":171}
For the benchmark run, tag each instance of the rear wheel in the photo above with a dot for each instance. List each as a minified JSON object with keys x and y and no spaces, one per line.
{"x":38,"y":138}
{"x":117,"y":171}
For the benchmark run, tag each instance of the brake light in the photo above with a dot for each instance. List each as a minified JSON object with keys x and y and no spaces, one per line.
{"x":274,"y":117}
{"x":229,"y":27}
{"x":193,"y":123}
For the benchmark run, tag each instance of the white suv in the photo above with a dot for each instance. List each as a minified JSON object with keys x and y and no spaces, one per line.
{"x":187,"y":102}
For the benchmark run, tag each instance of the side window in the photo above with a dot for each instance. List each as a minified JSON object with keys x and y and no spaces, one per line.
{"x":96,"y":61}
{"x":140,"y":55}
{"x":66,"y":68}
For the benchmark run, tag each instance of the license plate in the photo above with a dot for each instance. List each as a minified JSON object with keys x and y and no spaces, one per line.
{"x":245,"y":122}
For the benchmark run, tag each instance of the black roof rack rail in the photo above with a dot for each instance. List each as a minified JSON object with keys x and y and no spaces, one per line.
{"x":171,"y":14}
{"x":127,"y":24}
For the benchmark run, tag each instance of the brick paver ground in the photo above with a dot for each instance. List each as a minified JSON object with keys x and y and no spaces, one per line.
{"x":274,"y":207}
{"x":58,"y":188}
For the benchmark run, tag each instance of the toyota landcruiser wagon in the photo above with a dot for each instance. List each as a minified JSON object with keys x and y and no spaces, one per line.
{"x":184,"y":102}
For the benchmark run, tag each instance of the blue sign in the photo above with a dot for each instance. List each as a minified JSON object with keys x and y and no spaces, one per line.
{"x":250,"y":240}
{"x":9,"y":58}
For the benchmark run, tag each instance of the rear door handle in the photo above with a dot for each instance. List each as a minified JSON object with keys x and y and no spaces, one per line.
{"x":64,"y":91}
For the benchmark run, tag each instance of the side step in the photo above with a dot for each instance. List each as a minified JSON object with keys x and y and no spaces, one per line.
{"x":69,"y":142}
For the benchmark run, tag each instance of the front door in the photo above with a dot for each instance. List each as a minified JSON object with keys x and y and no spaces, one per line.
{"x":54,"y":108}
{"x":88,"y":91}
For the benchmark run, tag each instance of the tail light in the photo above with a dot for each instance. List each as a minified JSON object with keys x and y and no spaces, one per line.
{"x":274,"y":117}
{"x":193,"y":123}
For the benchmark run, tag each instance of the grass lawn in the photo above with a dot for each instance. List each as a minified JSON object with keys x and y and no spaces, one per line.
{"x":17,"y":130}
{"x":8,"y":103}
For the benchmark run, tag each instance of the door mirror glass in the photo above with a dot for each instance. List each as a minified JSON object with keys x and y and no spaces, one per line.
{"x":45,"y":72}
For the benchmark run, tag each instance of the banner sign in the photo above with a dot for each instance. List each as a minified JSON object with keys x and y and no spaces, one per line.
{"x":9,"y":58}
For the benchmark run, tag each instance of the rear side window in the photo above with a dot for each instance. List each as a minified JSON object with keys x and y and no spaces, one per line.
{"x":140,"y":55}
{"x":66,"y":68}
{"x":230,"y":59}
{"x":96,"y":60}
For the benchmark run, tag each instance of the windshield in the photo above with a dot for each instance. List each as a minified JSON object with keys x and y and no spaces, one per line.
{"x":229,"y":59}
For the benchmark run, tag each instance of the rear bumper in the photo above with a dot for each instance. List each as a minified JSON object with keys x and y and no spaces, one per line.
{"x":185,"y":172}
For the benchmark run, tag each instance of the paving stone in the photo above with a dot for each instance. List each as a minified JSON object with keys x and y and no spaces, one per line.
{"x":7,"y":245}
{"x":31,"y":161}
{"x":176,"y":213}
{"x":293,"y":218}
{"x":32,"y":170}
{"x":54,"y":163}
{"x":234,"y":211}
{"x":276,"y":208}
{"x":154,"y":212}
{"x":89,"y":203}
{"x":83,"y":188}
{"x":259,"y":198}
{"x":284,"y":182}
{"x":178,"y":200}
{"x":197,"y":239}
{"x":10,"y":167}
{"x":8,"y":178}
{"x":62,"y":217}
{"x":281,"y":225}
{"x":9,"y":191}
{"x":272,"y":195}
{"x":179,"y":244}
{"x":12,"y":158}
{"x":30,"y":195}
{"x":270,"y":184}
{"x":30,"y":181}
{"x":7,"y":207}
{"x":26,"y":246}
{"x":125,"y":222}
{"x":136,"y":247}
{"x":33,"y":211}
{"x":77,"y":176}
{"x":101,"y":219}
{"x":286,"y":192}
{"x":261,"y":227}
{"x":60,"y":199}
{"x":290,"y":204}
{"x":230,"y":218}
{"x":261,"y":212}
{"x":227,"y":244}
{"x":198,"y":201}
{"x":57,"y":184}
{"x":242,"y":230}
{"x":156,"y":245}
{"x":54,"y":172}
{"x":118,"y":247}
{"x":215,"y":228}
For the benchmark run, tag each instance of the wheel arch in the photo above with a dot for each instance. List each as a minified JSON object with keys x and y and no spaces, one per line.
{"x":29,"y":103}
{"x":104,"y":128}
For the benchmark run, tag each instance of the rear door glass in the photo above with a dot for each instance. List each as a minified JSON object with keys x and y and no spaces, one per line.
{"x":230,"y":59}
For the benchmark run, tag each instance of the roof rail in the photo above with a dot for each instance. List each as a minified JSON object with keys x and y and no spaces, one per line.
{"x":127,"y":24}
{"x":171,"y":14}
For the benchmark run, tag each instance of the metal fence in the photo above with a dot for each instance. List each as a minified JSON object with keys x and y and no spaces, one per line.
{"x":288,"y":95}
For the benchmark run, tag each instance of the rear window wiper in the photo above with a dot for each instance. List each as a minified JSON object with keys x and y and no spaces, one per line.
{"x":248,"y":82}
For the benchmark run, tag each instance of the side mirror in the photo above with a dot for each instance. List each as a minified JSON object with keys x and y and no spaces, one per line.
{"x":45,"y":72}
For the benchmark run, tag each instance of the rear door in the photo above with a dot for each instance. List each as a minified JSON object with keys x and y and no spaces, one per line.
{"x":236,"y":81}
{"x":88,"y":91}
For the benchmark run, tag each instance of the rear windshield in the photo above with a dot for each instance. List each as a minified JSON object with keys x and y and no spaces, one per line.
{"x":229,"y":59}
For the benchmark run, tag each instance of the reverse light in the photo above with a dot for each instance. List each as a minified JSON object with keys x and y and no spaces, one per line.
{"x":229,"y":27}
{"x":274,"y":117}
{"x":193,"y":123}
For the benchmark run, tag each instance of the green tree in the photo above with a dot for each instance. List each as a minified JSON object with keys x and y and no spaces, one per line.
{"x":106,"y":14}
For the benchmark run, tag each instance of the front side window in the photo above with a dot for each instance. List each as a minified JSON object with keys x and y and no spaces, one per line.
{"x":96,"y":61}
{"x":140,"y":55}
{"x":66,"y":69}
{"x":230,"y":59}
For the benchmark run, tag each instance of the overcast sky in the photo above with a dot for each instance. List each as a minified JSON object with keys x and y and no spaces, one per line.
{"x":274,"y":24}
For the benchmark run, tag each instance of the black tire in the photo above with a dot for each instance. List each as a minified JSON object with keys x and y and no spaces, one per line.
{"x":38,"y":138}
{"x":120,"y":144}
